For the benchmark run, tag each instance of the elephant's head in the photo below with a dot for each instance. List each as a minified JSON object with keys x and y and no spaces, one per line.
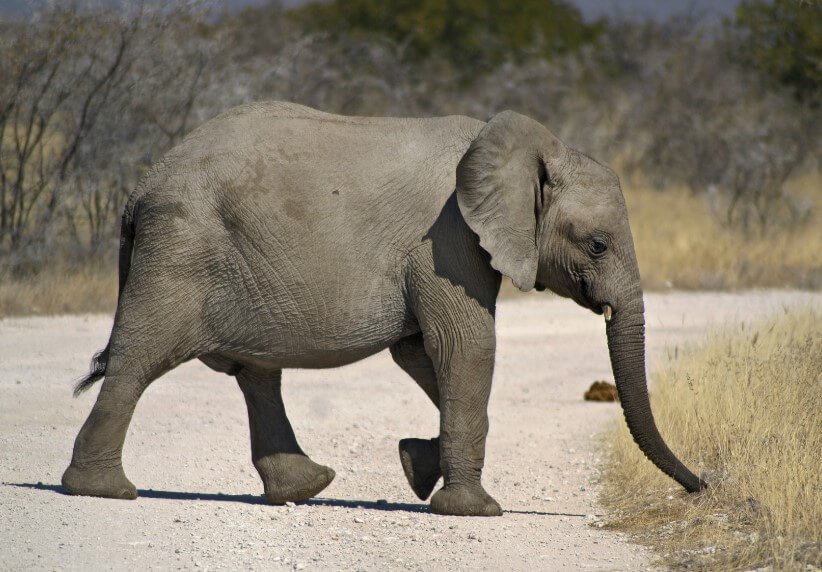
{"x":552,"y":217}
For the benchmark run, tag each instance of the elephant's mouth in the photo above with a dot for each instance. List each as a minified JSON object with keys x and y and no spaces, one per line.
{"x":585,"y":298}
{"x":581,"y":295}
{"x":599,"y":308}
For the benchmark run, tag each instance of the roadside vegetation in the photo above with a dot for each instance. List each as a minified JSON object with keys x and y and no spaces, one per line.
{"x":57,"y":290}
{"x":681,"y":243}
{"x":745,"y":409}
{"x":713,"y":127}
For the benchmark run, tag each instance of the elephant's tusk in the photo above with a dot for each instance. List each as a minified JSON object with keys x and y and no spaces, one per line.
{"x":606,"y":311}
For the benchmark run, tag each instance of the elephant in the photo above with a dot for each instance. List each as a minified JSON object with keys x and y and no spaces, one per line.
{"x":276,"y":236}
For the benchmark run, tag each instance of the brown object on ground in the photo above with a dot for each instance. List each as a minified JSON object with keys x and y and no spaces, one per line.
{"x":602,"y":391}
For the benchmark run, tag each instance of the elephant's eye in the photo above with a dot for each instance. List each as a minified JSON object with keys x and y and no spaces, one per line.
{"x":598,"y":246}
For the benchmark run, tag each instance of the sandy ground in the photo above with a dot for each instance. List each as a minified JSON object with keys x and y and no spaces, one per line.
{"x":200,"y":502}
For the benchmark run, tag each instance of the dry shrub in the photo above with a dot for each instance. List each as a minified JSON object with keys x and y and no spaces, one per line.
{"x":746,"y":411}
{"x":59,"y":291}
{"x":681,"y":244}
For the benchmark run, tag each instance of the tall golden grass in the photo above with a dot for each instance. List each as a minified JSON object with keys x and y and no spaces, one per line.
{"x":681,"y":244}
{"x":58,"y":290}
{"x":746,"y":409}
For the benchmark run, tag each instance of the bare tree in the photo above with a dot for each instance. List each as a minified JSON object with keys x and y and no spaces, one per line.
{"x":57,"y":91}
{"x":88,"y":96}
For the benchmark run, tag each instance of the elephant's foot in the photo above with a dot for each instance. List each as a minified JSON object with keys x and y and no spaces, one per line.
{"x":420,"y":460}
{"x":292,"y":477}
{"x":459,"y":500}
{"x":98,"y":482}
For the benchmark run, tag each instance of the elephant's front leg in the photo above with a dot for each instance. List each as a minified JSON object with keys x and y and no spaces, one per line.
{"x":287,"y":472}
{"x":464,"y":360}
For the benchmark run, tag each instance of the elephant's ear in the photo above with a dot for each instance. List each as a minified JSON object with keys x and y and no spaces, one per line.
{"x":499,"y":185}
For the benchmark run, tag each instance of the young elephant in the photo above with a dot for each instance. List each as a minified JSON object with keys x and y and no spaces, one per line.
{"x":276,"y":236}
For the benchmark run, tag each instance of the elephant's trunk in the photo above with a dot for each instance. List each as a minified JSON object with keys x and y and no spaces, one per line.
{"x":626,"y":344}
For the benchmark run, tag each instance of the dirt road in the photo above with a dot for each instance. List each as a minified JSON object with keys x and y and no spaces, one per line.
{"x":200,"y":502}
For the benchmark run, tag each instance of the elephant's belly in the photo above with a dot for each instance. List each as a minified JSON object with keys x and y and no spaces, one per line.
{"x":332,"y":340}
{"x":314,"y":359}
{"x":310,"y":302}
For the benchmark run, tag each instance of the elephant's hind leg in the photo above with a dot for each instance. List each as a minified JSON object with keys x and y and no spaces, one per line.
{"x":287,"y":472}
{"x":96,"y":467}
{"x":144,"y":345}
{"x":420,"y":458}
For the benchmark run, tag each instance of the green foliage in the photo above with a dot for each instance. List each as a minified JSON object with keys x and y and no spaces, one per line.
{"x":783,"y":41}
{"x":470,"y":33}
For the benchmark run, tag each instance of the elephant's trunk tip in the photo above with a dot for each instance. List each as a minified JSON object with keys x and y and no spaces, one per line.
{"x":700,"y":486}
{"x":689,"y":481}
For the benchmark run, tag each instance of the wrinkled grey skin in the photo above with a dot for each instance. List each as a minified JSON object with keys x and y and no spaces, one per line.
{"x":276,"y":236}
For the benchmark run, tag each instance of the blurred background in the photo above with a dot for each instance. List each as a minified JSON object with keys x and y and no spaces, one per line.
{"x":709,"y":111}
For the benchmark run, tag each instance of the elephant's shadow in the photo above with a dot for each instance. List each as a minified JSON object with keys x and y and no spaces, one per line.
{"x":380,"y":505}
{"x":242,"y":498}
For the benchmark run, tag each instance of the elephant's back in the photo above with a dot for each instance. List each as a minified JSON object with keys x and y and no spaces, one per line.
{"x":286,"y":129}
{"x":285,"y":168}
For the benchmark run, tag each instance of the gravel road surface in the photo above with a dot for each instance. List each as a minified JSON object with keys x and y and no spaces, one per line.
{"x":200,"y":502}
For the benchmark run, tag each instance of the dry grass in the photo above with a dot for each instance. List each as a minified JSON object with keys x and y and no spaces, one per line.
{"x":681,"y":244}
{"x":59,"y":291}
{"x":746,"y":409}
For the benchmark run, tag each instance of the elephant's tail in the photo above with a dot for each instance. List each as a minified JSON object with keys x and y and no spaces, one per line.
{"x":100,"y":359}
{"x":96,"y":372}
